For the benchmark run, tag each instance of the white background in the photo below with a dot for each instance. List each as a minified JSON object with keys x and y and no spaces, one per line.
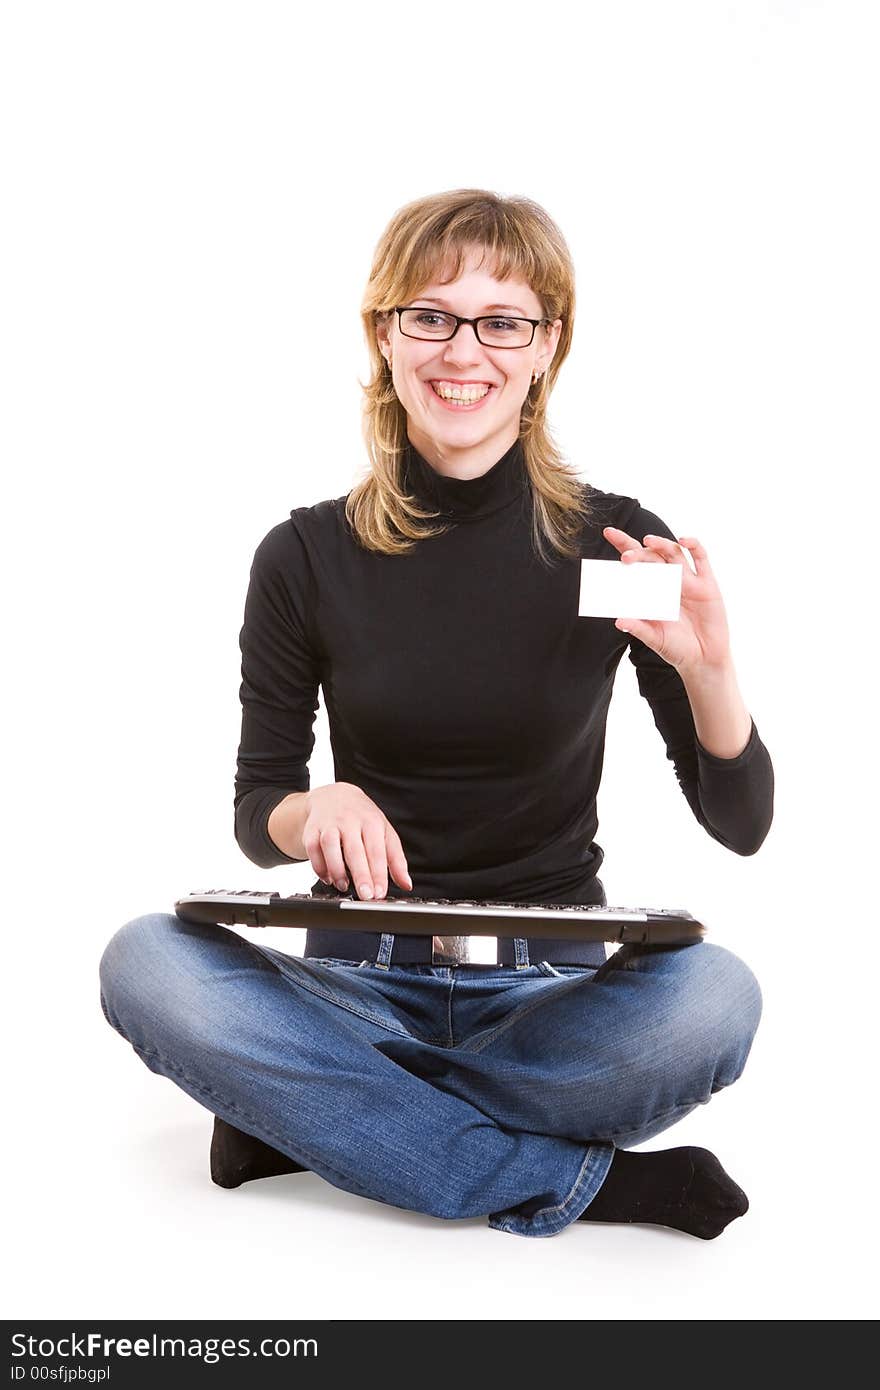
{"x":193,"y":193}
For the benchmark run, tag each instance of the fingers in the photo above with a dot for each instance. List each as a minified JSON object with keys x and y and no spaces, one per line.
{"x":326,"y":849}
{"x":364,"y":848}
{"x":362,"y":873}
{"x":317,"y":860}
{"x":698,"y":553}
{"x":667,"y":551}
{"x":644,"y":555}
{"x":383,"y":853}
{"x":678,"y":552}
{"x":373,"y":834}
{"x":630,"y":549}
{"x":659,"y":549}
{"x":619,"y":539}
{"x":396,"y":857}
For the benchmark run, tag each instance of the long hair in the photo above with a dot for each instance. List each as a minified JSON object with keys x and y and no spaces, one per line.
{"x":426,"y":236}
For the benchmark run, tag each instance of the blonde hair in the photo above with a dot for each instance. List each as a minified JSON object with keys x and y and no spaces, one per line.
{"x":436,"y":233}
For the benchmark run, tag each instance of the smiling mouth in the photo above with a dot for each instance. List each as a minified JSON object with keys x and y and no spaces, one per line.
{"x":460,"y":396}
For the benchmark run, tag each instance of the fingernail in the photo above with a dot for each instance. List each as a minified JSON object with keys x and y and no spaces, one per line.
{"x":365,"y":890}
{"x":342,"y":884}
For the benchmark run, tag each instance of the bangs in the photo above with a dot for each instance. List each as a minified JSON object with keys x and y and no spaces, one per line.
{"x":441,"y":261}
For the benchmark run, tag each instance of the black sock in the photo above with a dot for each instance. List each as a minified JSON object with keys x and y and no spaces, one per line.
{"x":685,"y":1188}
{"x":237,"y":1157}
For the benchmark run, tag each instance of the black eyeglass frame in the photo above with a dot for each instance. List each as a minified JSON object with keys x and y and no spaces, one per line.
{"x":474,"y":323}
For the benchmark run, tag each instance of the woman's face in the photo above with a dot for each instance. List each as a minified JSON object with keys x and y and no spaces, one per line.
{"x":466,"y":440}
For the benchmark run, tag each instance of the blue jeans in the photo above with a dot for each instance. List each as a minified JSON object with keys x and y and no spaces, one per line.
{"x":456,"y":1091}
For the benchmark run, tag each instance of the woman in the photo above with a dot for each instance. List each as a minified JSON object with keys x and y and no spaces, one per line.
{"x":436,"y":605}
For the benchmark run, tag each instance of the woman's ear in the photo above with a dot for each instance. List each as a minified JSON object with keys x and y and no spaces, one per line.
{"x":383,"y":335}
{"x":546,"y":355}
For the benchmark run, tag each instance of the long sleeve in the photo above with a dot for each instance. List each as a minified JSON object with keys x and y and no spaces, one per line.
{"x":732,"y":798}
{"x":279,"y":691}
{"x":464,"y":694}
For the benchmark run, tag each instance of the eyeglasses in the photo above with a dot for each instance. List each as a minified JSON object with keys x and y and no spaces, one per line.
{"x":492,"y":330}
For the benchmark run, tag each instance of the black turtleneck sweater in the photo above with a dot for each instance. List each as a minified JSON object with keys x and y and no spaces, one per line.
{"x":464,"y":694}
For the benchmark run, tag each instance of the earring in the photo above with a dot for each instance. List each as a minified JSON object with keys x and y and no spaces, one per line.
{"x":536,"y":376}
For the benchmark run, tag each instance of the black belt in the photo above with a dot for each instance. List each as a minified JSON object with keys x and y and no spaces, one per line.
{"x":419,"y":950}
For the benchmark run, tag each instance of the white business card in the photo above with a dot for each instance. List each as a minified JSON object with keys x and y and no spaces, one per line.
{"x":641,"y":589}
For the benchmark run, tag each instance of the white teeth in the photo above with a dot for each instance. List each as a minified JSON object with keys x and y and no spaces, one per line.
{"x":465,"y":394}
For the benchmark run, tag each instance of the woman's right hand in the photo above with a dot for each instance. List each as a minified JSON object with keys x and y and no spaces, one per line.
{"x":344,"y":829}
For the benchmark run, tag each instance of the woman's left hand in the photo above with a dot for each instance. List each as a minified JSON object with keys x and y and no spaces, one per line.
{"x":700,"y":638}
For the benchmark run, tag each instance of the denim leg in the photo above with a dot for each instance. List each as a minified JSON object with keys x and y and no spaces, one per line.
{"x":609,"y":1057}
{"x":292,"y":1052}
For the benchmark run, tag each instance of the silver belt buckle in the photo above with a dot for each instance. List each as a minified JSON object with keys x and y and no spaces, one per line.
{"x":450,"y":950}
